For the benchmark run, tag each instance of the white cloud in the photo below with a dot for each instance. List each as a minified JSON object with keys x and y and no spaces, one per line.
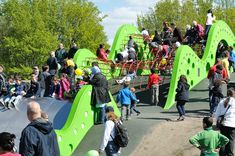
{"x":126,"y":14}
{"x":116,"y":18}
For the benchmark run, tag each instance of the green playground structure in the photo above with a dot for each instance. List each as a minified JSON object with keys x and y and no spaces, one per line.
{"x":81,"y":117}
{"x":188,"y":63}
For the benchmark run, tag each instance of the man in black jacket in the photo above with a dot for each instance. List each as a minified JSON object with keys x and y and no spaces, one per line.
{"x":100,"y":93}
{"x":38,"y":138}
{"x":52,"y":63}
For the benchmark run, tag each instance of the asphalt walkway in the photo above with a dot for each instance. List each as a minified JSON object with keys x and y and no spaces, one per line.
{"x":150,"y":116}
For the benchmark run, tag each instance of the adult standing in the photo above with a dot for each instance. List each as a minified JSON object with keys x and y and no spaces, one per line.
{"x":52,"y":63}
{"x":153,"y":84}
{"x":130,"y":43}
{"x":182,"y":96}
{"x":61,"y":54}
{"x":108,"y":145}
{"x":39,"y":137}
{"x":227,"y":108}
{"x":44,"y":82}
{"x":209,"y":20}
{"x":72,"y":51}
{"x":100,"y":93}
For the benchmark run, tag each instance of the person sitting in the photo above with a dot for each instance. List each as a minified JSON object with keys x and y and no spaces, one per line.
{"x":34,"y":88}
{"x":132,"y":55}
{"x":18,"y":93}
{"x":157,"y":38}
{"x":189,"y":37}
{"x":55,"y":88}
{"x":130,"y":76}
{"x":208,"y":141}
{"x":177,"y":35}
{"x":122,"y":56}
{"x":10,"y":88}
{"x":7,"y":144}
{"x":64,"y":86}
{"x":163,"y":51}
{"x":199,"y":31}
{"x":101,"y":53}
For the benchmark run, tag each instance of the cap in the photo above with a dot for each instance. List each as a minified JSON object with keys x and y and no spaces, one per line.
{"x":109,"y":109}
{"x":177,"y":44}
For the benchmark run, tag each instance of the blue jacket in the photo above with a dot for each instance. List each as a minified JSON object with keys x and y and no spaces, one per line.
{"x":19,"y":88}
{"x":232,"y":56}
{"x":39,"y":139}
{"x":125,"y":96}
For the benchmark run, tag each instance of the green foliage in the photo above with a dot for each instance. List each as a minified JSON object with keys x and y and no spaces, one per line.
{"x":23,"y":71}
{"x":185,"y":12}
{"x":30,"y":29}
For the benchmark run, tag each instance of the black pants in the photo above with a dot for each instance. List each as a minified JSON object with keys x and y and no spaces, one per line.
{"x":229,"y":132}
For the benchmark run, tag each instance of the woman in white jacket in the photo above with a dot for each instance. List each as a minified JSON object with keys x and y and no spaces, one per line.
{"x":107,"y":144}
{"x":228,"y":128}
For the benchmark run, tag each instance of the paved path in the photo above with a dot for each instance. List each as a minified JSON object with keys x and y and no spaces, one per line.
{"x":150,"y":116}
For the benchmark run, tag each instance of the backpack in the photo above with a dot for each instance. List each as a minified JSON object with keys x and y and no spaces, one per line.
{"x":216,"y":76}
{"x":121,"y":138}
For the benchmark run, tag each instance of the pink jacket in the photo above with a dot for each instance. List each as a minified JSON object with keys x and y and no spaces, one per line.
{"x":64,"y":87}
{"x":10,"y":154}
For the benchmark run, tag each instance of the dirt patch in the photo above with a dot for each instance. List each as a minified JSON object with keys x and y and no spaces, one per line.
{"x":170,"y":139}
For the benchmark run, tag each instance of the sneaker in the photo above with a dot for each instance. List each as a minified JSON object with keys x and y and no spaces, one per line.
{"x":181,"y":118}
{"x":138,"y":113}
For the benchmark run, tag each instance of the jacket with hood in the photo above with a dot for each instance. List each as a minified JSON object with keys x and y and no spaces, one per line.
{"x":100,"y":91}
{"x":39,"y":139}
{"x":182,"y":91}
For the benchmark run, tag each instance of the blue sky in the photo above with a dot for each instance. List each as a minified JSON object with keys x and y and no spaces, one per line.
{"x":121,"y":12}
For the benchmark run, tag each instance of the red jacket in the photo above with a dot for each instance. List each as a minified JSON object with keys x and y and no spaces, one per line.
{"x":102,"y":55}
{"x":153,"y":79}
{"x":213,"y":69}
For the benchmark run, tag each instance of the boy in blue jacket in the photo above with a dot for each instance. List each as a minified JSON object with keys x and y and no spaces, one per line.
{"x":124,"y":97}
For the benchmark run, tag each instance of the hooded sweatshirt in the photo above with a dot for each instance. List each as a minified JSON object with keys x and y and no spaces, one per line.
{"x":39,"y":139}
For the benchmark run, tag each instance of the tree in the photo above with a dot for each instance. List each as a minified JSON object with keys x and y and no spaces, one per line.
{"x":29,"y":29}
{"x":184,"y":12}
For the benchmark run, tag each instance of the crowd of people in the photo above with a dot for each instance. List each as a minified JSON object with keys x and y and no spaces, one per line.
{"x":61,"y":78}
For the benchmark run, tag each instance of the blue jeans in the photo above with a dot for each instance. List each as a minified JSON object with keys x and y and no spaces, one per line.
{"x":180,"y":107}
{"x":207,"y":29}
{"x":100,"y":114}
{"x":112,"y":149}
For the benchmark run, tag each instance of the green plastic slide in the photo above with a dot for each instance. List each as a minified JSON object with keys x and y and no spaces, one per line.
{"x":188,"y":63}
{"x":80,"y":120}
